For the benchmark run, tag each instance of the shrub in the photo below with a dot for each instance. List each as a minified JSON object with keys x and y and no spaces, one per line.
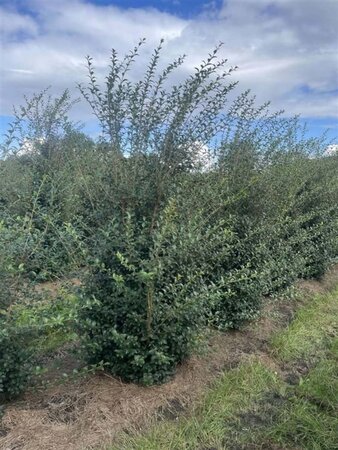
{"x":144,"y":303}
{"x":185,"y":211}
{"x":15,"y":363}
{"x":235,"y":298}
{"x":39,"y":246}
{"x":148,"y":299}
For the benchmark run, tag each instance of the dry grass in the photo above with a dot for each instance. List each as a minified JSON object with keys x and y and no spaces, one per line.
{"x":87,"y":414}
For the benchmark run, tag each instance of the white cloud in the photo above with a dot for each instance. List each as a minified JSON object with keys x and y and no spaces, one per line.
{"x":280,"y":47}
{"x":331,"y":150}
{"x":285,"y":50}
{"x":24,"y":71}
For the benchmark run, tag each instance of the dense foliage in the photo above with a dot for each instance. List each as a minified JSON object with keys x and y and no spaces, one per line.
{"x":185,"y":213}
{"x":15,"y":367}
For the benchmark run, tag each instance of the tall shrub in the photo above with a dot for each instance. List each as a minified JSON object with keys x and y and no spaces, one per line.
{"x":188,"y":243}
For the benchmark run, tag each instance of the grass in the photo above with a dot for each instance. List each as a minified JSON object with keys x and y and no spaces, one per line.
{"x":306,"y":426}
{"x":251,"y":407}
{"x":51,"y":318}
{"x":234,"y":393}
{"x":321,"y":385}
{"x":312,"y":330}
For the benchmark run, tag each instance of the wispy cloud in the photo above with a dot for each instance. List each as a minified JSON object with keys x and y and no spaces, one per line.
{"x":24,"y":71}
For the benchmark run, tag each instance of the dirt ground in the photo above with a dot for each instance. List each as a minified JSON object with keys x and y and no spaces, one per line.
{"x":88,"y":413}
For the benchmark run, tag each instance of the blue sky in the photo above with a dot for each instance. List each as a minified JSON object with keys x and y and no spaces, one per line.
{"x":187,"y":9}
{"x":285,"y":49}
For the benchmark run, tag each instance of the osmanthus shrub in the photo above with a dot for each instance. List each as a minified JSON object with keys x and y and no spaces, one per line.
{"x":145,"y":303}
{"x":15,"y":360}
{"x":188,"y":209}
{"x":185,"y":244}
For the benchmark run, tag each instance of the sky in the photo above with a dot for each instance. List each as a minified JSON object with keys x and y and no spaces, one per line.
{"x":286,"y":50}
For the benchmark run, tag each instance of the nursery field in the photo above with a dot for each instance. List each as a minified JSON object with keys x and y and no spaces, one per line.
{"x":272,"y":385}
{"x":158,"y":283}
{"x":284,"y":396}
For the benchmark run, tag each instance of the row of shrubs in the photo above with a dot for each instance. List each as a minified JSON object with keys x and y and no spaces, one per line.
{"x":184,"y":215}
{"x":151,"y":296}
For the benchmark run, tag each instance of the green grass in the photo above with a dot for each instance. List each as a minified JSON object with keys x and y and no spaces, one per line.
{"x":233,"y":394}
{"x":321,"y":385}
{"x":312,"y":330}
{"x":53,"y":340}
{"x":251,"y":407}
{"x":306,"y":426}
{"x":51,"y":318}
